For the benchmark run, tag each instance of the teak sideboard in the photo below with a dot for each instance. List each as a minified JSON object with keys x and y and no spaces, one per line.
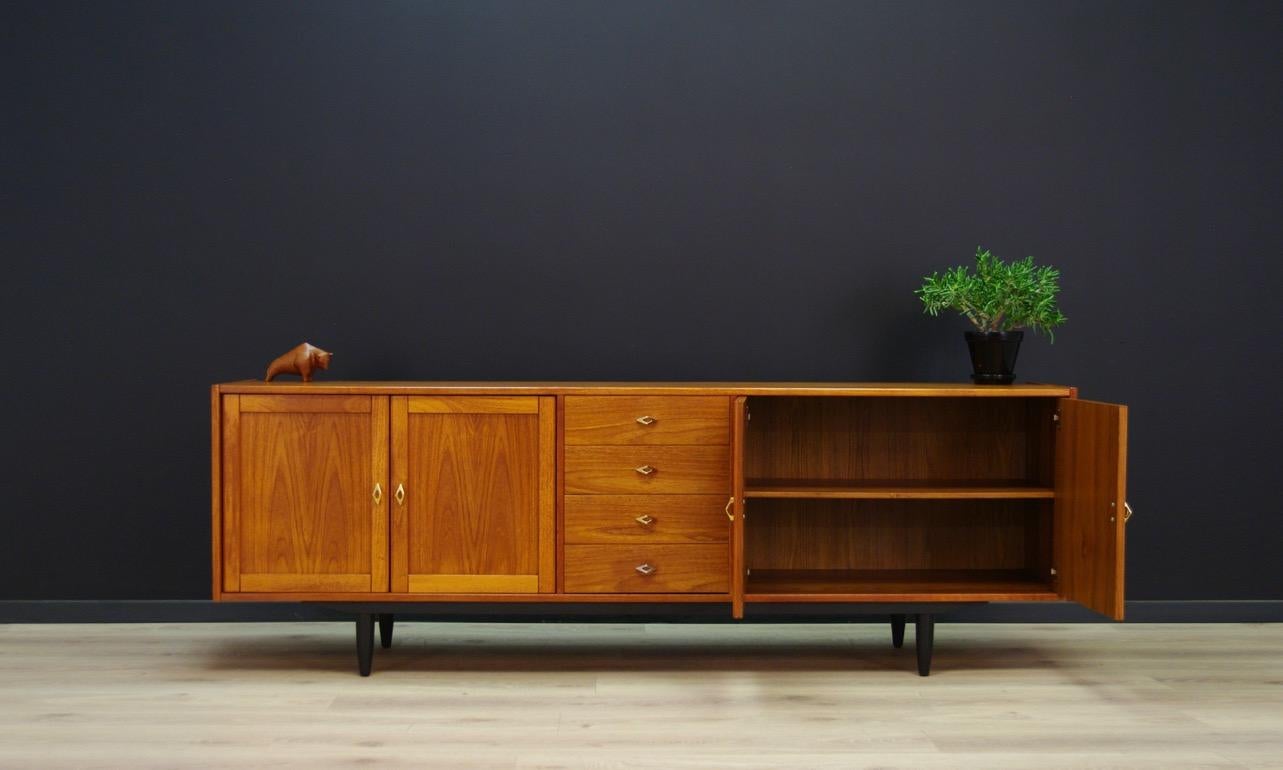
{"x":903,"y":497}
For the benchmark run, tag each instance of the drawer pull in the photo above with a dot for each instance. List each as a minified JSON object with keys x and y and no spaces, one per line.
{"x":644,"y":470}
{"x":646,"y":419}
{"x":378,"y":493}
{"x":400,"y":494}
{"x":645,"y":569}
{"x":727,"y":509}
{"x":645,"y":520}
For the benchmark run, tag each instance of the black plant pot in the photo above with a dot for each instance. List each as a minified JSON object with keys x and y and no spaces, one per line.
{"x":993,"y":356}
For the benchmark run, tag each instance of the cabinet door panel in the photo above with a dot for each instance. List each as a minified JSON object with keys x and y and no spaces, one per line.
{"x":472,"y":488}
{"x":1091,"y":489}
{"x":300,"y":508}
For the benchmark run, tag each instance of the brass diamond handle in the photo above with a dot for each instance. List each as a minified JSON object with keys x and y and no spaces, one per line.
{"x":1127,"y":511}
{"x":644,"y":470}
{"x":378,"y":493}
{"x":400,"y":494}
{"x":727,"y":509}
{"x":646,"y":419}
{"x":645,"y":520}
{"x":645,"y":569}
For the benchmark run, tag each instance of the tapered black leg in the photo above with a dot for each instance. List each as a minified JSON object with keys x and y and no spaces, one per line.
{"x":897,"y":631}
{"x":924,"y":636}
{"x":364,"y":642}
{"x":385,"y":631}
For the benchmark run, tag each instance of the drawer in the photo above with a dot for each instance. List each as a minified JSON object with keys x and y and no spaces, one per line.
{"x":647,"y":420}
{"x":670,"y":568}
{"x":643,"y":519}
{"x":682,"y":470}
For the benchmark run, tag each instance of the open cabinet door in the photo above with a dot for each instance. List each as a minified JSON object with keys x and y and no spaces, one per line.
{"x":738,"y":419}
{"x":1091,"y":494}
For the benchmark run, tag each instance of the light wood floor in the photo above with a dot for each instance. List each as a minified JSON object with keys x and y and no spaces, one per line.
{"x":641,"y":696}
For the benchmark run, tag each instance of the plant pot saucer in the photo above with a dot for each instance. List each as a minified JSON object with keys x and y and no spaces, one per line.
{"x":993,"y":379}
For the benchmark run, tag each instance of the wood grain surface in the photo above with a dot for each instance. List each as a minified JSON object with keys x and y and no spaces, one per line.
{"x":301,"y":516}
{"x":664,"y":519}
{"x":953,"y":489}
{"x":677,"y":470}
{"x":500,"y":494}
{"x":519,"y":696}
{"x":613,"y":568}
{"x":1091,"y":488}
{"x":739,"y":427}
{"x":937,"y":585}
{"x":471,"y":475}
{"x":858,"y":534}
{"x":835,"y":440}
{"x":610,"y":420}
{"x":659,"y":388}
{"x":216,"y":490}
{"x":473,"y":404}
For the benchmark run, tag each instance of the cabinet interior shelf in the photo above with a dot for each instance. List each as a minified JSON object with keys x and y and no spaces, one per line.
{"x":895,"y":490}
{"x":827,"y":585}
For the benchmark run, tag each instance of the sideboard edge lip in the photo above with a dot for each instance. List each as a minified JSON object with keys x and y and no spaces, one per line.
{"x":746,"y":388}
{"x":550,"y":598}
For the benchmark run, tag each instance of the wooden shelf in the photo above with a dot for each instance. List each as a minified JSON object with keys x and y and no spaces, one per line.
{"x":895,"y":490}
{"x":802,"y":585}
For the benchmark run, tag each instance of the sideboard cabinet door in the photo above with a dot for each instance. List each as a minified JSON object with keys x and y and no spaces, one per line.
{"x":303,"y":503}
{"x":1091,"y":492}
{"x":473,"y":508}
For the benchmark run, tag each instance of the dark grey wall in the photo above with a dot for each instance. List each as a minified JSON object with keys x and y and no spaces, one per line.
{"x":652,"y":190}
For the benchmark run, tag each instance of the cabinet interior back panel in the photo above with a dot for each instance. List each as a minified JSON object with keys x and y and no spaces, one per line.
{"x":896,"y":535}
{"x":889,"y":439}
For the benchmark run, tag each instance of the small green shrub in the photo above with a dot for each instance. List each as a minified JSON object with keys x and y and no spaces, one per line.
{"x":999,"y":296}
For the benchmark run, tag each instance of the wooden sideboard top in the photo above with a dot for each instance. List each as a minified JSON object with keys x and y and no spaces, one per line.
{"x":937,"y":389}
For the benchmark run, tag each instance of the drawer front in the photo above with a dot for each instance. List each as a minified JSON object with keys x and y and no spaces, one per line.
{"x":663,"y":569}
{"x":647,"y":420}
{"x":642,"y":519}
{"x":681,"y":470}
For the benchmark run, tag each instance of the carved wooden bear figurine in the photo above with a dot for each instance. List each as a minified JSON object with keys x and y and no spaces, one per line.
{"x":302,"y":360}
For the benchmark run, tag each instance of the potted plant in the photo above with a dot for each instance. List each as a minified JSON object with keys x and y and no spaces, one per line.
{"x":999,"y":298}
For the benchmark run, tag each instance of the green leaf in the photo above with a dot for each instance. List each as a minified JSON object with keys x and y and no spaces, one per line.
{"x":998,"y":296}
